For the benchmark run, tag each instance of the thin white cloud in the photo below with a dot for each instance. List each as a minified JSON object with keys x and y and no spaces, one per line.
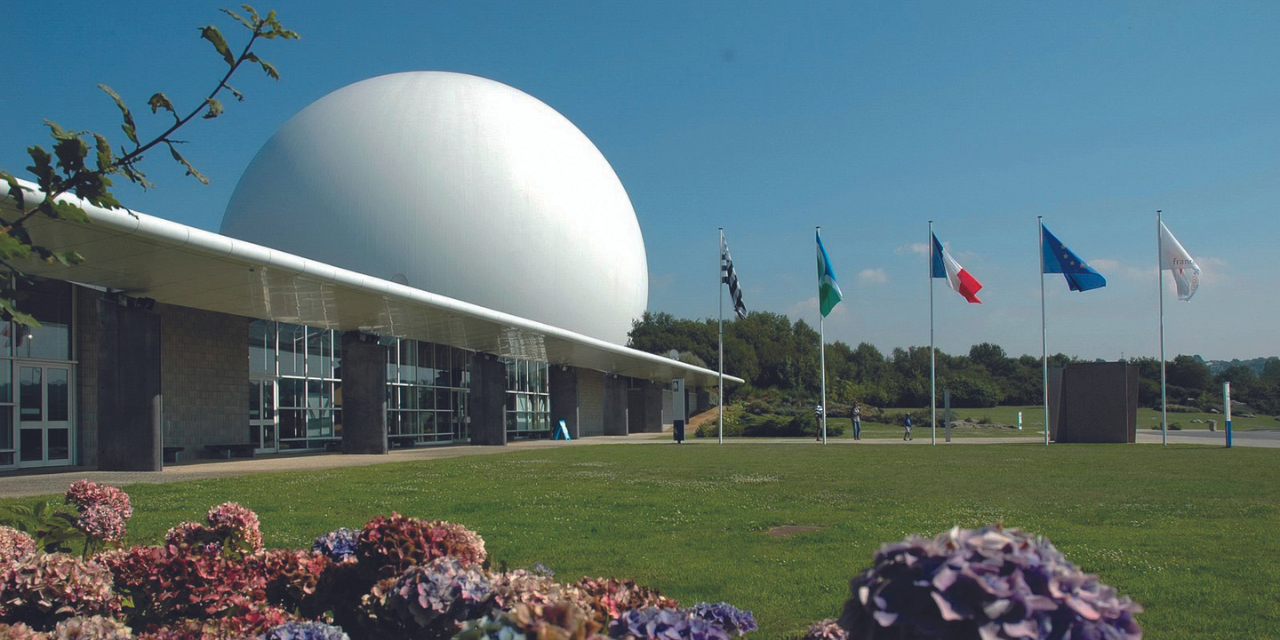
{"x":873,"y":276}
{"x":917,"y":248}
{"x":808,"y":310}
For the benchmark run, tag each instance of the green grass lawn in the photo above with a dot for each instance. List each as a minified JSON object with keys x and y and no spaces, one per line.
{"x":1189,"y":532}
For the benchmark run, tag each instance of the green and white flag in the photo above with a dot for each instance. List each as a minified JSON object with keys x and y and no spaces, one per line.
{"x":828,"y":291}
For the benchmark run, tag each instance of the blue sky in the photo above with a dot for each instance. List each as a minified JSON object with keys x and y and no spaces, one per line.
{"x":868,"y":119}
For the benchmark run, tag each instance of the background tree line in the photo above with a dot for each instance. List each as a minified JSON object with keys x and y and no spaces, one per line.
{"x":777,"y":355}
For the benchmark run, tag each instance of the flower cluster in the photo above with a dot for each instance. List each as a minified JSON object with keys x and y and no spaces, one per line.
{"x":14,"y":546}
{"x":553,"y":621}
{"x":609,"y":598}
{"x":305,"y":631}
{"x":103,"y":510}
{"x":826,"y":630}
{"x":232,"y":521}
{"x":1001,"y":583}
{"x":653,"y":623}
{"x":339,"y":545}
{"x":444,"y":591}
{"x":231,"y":528}
{"x":43,"y":589}
{"x":726,"y":616}
{"x":391,"y":545}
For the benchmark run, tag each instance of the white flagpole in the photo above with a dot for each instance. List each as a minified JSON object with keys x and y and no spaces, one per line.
{"x":1164,"y":403}
{"x":933,"y":354}
{"x":1044,"y":334}
{"x":720,"y":293}
{"x":822,"y":356}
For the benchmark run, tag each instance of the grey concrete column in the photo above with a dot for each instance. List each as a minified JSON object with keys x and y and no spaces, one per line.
{"x":615,"y":406}
{"x":364,"y":395}
{"x":129,"y":398}
{"x":646,"y":408}
{"x":487,"y":400}
{"x":564,"y":399}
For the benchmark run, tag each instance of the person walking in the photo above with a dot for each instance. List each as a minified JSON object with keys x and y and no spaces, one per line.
{"x":907,"y":434}
{"x":856,"y":416}
{"x":817,"y":416}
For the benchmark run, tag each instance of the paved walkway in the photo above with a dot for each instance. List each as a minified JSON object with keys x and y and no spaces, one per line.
{"x":15,"y":486}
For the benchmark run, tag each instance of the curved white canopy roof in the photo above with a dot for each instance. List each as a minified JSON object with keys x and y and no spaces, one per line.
{"x":146,"y":256}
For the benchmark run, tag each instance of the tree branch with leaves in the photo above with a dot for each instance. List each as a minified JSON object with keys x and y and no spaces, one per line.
{"x":83,"y":163}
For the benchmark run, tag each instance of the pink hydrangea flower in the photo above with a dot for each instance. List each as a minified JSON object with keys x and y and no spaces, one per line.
{"x":15,"y":545}
{"x":233,"y":518}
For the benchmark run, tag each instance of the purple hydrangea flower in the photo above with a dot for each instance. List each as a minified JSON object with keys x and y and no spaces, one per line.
{"x":305,"y":631}
{"x":339,"y":545}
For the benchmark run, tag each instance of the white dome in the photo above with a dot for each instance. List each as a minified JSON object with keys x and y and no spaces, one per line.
{"x":456,"y":185}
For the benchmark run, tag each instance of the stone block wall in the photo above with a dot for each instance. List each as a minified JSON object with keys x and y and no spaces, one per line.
{"x":204,"y":378}
{"x":590,"y":402}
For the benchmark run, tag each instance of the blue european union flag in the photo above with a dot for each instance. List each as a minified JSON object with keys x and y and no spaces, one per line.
{"x":1056,"y":258}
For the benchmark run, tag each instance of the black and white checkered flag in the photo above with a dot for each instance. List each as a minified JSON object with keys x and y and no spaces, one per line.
{"x":729,"y":277}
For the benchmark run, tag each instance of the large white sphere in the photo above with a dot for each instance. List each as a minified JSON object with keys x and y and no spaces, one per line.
{"x":456,"y":185}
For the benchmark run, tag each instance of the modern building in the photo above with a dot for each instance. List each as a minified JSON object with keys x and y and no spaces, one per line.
{"x":416,"y":259}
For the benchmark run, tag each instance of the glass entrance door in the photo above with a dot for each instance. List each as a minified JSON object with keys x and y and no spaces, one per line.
{"x":264,"y":423}
{"x":44,"y":415}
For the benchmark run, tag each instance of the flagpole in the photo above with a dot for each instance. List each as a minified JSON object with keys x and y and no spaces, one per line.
{"x":1164,"y":403}
{"x":933,"y":354}
{"x":720,"y":294}
{"x":1044,"y":336}
{"x":822,"y":355}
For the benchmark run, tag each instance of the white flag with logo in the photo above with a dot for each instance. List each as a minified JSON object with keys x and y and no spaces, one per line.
{"x":1176,"y":259}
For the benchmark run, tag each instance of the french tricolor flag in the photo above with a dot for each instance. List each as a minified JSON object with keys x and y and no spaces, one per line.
{"x":944,"y":266}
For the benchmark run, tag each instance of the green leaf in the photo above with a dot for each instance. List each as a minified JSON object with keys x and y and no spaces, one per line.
{"x":239,"y":96}
{"x":9,"y":312}
{"x":106,"y":159}
{"x":161,"y":101}
{"x":67,"y":211}
{"x":96,"y":189}
{"x":129,"y":127}
{"x":15,"y":190}
{"x":71,"y":152}
{"x":269,"y":69}
{"x":253,"y":14}
{"x":238,"y":18}
{"x":215,"y":38}
{"x":191,"y":171}
{"x":42,"y":168}
{"x":215,"y":108}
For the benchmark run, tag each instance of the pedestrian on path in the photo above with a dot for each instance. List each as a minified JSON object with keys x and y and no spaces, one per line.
{"x":907,"y":434}
{"x":856,"y":416}
{"x":817,"y":416}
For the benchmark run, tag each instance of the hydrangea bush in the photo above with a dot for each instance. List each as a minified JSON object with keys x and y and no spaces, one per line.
{"x":989,"y":583}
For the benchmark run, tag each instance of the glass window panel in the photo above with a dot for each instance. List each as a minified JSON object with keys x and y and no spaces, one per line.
{"x":429,"y":423}
{"x":50,"y":303}
{"x":337,"y":394}
{"x":408,"y":361}
{"x":319,"y":423}
{"x":319,"y":356}
{"x":8,"y":331}
{"x":6,"y":427}
{"x":59,"y":444}
{"x":292,"y":392}
{"x":317,"y":394}
{"x":262,"y":347}
{"x":292,"y":424}
{"x":442,"y":365}
{"x":292,"y":346}
{"x":426,"y":398}
{"x":426,"y":360}
{"x":444,"y":399}
{"x":255,"y":400}
{"x":31,"y":445}
{"x":268,"y":399}
{"x":31,"y":392}
{"x":337,"y":355}
{"x":6,"y":381}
